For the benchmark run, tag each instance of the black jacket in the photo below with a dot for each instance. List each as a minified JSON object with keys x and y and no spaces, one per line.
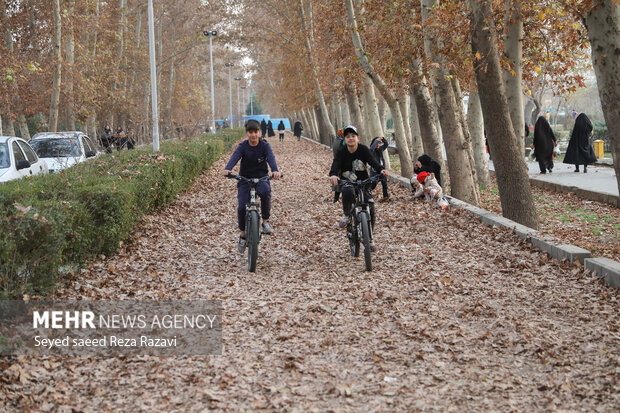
{"x":346,"y":162}
{"x":297,"y":128}
{"x":430,"y":166}
{"x":281,"y":126}
{"x":270,"y":131}
{"x":544,"y":140}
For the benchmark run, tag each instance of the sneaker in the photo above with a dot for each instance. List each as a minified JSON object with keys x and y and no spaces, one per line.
{"x":267,"y":229}
{"x":385,"y":199}
{"x":242,"y":244}
{"x":343,"y":221}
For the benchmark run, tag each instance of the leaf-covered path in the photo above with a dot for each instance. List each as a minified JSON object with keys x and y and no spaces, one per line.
{"x":455,"y":316}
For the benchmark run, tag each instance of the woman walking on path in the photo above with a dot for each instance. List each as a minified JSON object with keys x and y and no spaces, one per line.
{"x":270,"y":131}
{"x":580,"y":151}
{"x":281,"y":130}
{"x":263,"y":129}
{"x":544,"y":143}
{"x":297,"y":130}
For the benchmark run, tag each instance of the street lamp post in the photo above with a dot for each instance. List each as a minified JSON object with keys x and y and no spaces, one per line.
{"x":238,"y":100}
{"x":243,"y":111}
{"x":210,"y":34}
{"x":153,"y":78}
{"x":229,"y":66}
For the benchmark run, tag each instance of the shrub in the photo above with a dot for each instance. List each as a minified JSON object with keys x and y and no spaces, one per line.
{"x":54,"y":222}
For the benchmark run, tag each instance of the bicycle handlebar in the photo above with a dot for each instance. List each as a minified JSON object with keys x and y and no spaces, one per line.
{"x":343,"y":181}
{"x":251,"y":180}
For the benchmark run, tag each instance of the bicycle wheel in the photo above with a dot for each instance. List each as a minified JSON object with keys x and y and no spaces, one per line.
{"x":252,"y":236}
{"x":354,"y":241}
{"x":364,"y":221}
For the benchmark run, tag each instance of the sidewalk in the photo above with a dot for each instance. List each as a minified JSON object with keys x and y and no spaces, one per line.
{"x":599,"y":184}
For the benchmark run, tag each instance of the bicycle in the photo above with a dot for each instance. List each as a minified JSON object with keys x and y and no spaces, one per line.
{"x":359,"y":227}
{"x":252,"y":219}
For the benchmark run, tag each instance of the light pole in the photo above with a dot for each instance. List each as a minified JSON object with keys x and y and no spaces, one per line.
{"x":251,"y":105}
{"x":229,"y":66}
{"x":238,"y":100}
{"x":210,"y":34}
{"x":242,"y":111}
{"x":153,"y":78}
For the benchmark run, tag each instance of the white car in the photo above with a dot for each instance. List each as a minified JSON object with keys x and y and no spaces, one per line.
{"x":18,"y":160}
{"x":62,"y":150}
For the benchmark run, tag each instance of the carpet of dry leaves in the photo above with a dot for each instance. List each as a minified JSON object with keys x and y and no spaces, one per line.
{"x":455,"y":317}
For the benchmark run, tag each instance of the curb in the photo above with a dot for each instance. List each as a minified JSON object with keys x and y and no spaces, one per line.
{"x":610,"y":199}
{"x":605,"y":268}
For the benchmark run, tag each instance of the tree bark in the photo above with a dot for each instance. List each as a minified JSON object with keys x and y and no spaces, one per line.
{"x":383,"y":115}
{"x":510,"y":169}
{"x":403,"y":104}
{"x":476,"y":131}
{"x":512,"y":78}
{"x":326,"y":126}
{"x":338,"y":109}
{"x":461,"y":170}
{"x":603,"y":24}
{"x":22,"y":123}
{"x":346,"y":117}
{"x":426,"y":118}
{"x":372,"y":112}
{"x":416,"y":135}
{"x":355,"y":114}
{"x":463,"y":122}
{"x":399,"y":130}
{"x":56,"y":46}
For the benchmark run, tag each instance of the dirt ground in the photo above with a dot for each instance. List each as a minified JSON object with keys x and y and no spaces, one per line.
{"x":455,"y":316}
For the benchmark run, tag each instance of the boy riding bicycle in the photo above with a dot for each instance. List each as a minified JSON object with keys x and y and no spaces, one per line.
{"x":350,"y":163}
{"x":255,"y":154}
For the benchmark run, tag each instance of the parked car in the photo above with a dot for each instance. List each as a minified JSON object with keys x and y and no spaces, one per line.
{"x":18,"y":160}
{"x":62,"y":150}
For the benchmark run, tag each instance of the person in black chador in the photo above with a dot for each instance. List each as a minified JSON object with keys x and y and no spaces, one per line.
{"x":426,"y":164}
{"x":297,"y":130}
{"x":544,"y":143}
{"x":580,"y":151}
{"x":270,"y":131}
{"x":281,"y":130}
{"x":263,"y":128}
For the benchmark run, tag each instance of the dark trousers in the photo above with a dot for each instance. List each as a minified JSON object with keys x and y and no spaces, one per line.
{"x":281,"y":136}
{"x":348,"y":200}
{"x":263,"y":190}
{"x":545,"y":165}
{"x":384,"y":186}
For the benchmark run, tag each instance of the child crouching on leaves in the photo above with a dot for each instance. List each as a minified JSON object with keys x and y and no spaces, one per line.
{"x":425,"y":184}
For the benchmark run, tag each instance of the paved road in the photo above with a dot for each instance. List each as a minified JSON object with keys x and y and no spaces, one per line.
{"x":599,"y":178}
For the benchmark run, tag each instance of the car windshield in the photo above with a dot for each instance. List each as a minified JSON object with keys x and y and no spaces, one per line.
{"x":5,"y":160}
{"x":57,"y":147}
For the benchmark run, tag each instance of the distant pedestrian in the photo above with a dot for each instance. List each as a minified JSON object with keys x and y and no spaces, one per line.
{"x":426,"y":164}
{"x":270,"y":131}
{"x":573,"y":114}
{"x":263,"y":128}
{"x":297,"y":128}
{"x":106,"y":138}
{"x":377,"y":146}
{"x":580,"y":151}
{"x":281,"y":130}
{"x":120,"y":139}
{"x":544,"y":143}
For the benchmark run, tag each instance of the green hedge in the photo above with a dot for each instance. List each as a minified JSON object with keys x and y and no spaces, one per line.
{"x":53,"y":223}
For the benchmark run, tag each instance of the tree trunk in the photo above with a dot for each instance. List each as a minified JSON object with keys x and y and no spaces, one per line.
{"x":603,"y":24}
{"x":56,"y":46}
{"x":324,"y":136}
{"x":315,"y":123}
{"x":23,"y":126}
{"x":463,"y":122}
{"x":338,"y":108}
{"x":510,"y":169}
{"x":355,"y":114}
{"x":476,"y":131}
{"x":461,"y":170}
{"x":426,"y":119}
{"x":512,"y":77}
{"x":403,"y":104}
{"x":372,"y":113}
{"x":326,"y":126}
{"x":416,"y":135}
{"x":383,"y":115}
{"x":399,"y":130}
{"x":70,"y":56}
{"x":91,"y":128}
{"x":346,"y":117}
